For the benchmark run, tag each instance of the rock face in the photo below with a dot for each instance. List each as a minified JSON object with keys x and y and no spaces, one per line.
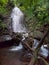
{"x":7,"y":40}
{"x":37,"y":35}
{"x":28,"y":40}
{"x":44,"y":29}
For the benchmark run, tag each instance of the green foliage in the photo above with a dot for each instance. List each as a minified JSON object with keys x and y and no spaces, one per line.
{"x":34,"y":9}
{"x":3,"y":2}
{"x":41,"y":12}
{"x":2,"y":25}
{"x":38,"y":9}
{"x":3,"y":9}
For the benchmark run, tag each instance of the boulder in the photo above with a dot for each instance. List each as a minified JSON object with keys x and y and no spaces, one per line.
{"x":38,"y":35}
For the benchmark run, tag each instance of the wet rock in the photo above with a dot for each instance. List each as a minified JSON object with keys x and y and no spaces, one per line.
{"x":5,"y":37}
{"x":28,"y":41}
{"x":7,"y":40}
{"x":38,"y":35}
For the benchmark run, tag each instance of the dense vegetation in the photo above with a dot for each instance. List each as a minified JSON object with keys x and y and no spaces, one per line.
{"x":36,"y":11}
{"x":36,"y":14}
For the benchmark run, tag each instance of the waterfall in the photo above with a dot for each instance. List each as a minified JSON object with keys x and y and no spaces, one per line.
{"x":17,"y":17}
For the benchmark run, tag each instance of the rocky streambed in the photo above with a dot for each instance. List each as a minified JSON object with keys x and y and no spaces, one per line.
{"x":13,"y":54}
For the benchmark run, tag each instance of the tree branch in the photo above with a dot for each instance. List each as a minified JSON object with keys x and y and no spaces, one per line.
{"x":45,"y":62}
{"x":35,"y":54}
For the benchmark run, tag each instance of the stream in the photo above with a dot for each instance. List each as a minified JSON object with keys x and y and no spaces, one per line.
{"x":11,"y":55}
{"x":17,"y":26}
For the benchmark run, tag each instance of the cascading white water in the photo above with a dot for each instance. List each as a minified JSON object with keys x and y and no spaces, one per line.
{"x":43,"y":51}
{"x":17,"y":17}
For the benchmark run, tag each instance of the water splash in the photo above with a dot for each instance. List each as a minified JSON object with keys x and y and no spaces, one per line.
{"x":36,"y":42}
{"x":20,"y":46}
{"x":17,"y":17}
{"x":43,"y":51}
{"x":16,"y":48}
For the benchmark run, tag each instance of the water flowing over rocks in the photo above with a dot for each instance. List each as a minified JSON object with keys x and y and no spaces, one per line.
{"x":19,"y":33}
{"x":17,"y":17}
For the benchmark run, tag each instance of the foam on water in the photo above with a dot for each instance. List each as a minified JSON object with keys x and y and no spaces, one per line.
{"x":43,"y":51}
{"x":16,"y":48}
